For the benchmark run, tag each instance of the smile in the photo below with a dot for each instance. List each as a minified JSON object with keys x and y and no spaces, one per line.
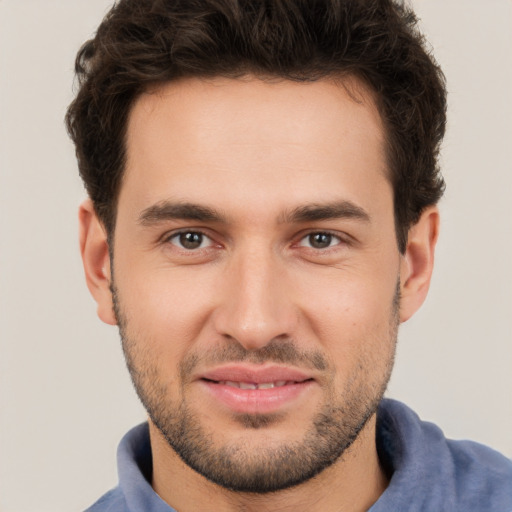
{"x":251,"y":389}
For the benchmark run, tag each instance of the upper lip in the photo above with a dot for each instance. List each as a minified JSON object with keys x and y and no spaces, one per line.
{"x":254,"y":374}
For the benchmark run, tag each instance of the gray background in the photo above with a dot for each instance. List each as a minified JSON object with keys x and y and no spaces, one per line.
{"x":65,"y":397}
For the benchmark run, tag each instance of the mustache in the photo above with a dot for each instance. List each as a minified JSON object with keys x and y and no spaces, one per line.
{"x":276,"y":351}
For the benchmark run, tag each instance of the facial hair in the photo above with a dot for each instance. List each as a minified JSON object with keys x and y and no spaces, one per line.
{"x":233,"y":465}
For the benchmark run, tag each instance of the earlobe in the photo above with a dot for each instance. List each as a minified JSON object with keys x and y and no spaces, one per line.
{"x":96,"y":260}
{"x":418,"y":262}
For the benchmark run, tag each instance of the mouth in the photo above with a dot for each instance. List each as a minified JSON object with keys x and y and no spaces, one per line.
{"x":256,"y":390}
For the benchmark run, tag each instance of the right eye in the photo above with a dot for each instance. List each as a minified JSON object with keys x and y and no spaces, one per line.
{"x":190,"y":240}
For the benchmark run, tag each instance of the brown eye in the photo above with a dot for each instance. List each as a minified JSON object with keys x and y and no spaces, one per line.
{"x":190,"y":240}
{"x":320,"y":240}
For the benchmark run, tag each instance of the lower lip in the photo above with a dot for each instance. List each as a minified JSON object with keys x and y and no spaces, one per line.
{"x":257,"y":401}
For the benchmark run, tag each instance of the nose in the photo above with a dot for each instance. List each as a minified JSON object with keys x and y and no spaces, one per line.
{"x":257,"y":305}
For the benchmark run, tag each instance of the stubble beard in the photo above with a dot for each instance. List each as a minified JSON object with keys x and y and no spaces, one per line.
{"x":264,"y":469}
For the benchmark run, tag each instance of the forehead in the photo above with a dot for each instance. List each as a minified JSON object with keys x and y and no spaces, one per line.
{"x":257,"y":108}
{"x":274,"y":138}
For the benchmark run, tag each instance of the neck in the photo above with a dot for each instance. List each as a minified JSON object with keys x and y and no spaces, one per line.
{"x":354,"y":483}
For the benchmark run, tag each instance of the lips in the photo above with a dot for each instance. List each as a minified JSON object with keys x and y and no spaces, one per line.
{"x":255,"y":374}
{"x":252,"y":389}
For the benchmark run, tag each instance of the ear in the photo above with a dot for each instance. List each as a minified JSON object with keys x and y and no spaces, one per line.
{"x":418,"y":262}
{"x":96,"y":260}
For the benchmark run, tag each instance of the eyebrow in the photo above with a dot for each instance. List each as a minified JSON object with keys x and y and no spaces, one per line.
{"x":167,"y":210}
{"x":329,"y":211}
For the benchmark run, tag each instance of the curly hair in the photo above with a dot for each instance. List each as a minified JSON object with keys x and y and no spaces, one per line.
{"x":141,"y":43}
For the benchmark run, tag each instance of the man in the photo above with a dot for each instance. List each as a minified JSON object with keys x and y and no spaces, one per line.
{"x":263,"y":183}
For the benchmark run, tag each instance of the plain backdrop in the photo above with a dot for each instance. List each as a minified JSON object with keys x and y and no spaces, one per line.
{"x":65,"y":396}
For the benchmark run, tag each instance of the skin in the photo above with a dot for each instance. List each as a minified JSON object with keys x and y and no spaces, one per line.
{"x":256,"y":152}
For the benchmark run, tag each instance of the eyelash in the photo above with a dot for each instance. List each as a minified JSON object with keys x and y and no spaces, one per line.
{"x":335,"y":236}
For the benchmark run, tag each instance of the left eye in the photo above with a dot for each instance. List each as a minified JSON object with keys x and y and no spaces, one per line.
{"x":320,"y":240}
{"x":190,"y":240}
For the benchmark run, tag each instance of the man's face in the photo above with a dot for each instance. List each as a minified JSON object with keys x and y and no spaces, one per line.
{"x":255,"y":270}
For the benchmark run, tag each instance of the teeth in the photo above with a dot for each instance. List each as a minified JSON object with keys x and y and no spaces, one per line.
{"x":248,"y":385}
{"x":252,"y":385}
{"x":231,"y":384}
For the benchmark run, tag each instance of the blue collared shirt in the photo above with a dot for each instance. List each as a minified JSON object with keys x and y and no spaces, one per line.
{"x":429,"y":472}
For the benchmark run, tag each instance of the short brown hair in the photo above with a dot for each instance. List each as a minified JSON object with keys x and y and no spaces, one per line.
{"x":141,"y":43}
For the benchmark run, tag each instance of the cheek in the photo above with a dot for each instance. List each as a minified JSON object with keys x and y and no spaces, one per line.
{"x":352,"y":299}
{"x":352,"y":316}
{"x":165,"y":308}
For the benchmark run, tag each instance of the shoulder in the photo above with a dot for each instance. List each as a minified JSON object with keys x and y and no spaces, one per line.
{"x":112,"y":501}
{"x":432,"y":473}
{"x":133,"y":463}
{"x":480,"y":471}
